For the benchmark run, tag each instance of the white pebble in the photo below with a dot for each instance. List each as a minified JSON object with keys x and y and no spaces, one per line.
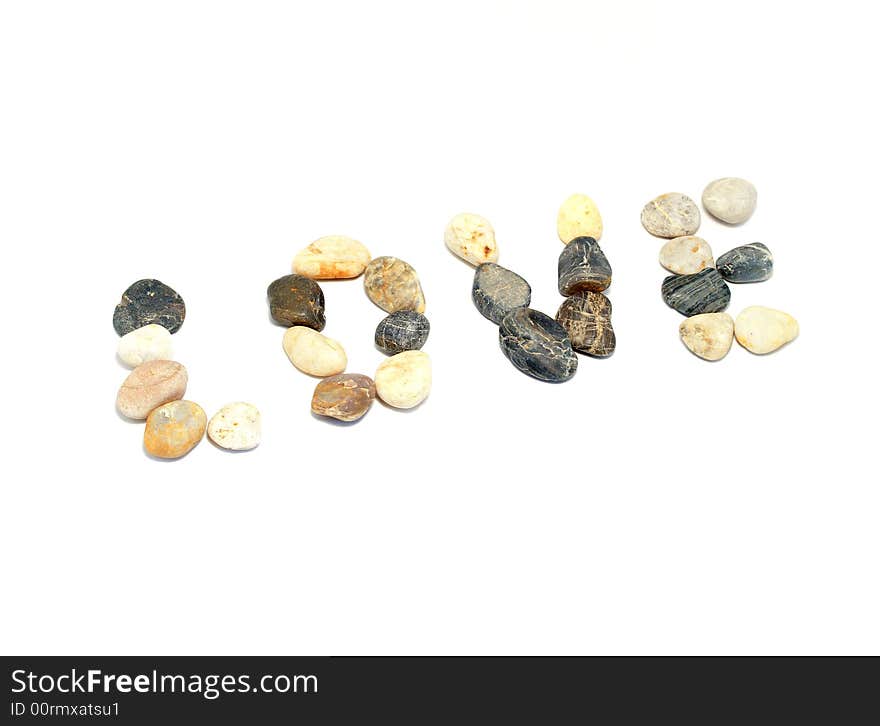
{"x":314,"y":353}
{"x":708,"y":335}
{"x":236,"y":426}
{"x":404,"y":380}
{"x":763,"y":330}
{"x":730,"y":199}
{"x":472,"y":238}
{"x":686,"y":255}
{"x":151,"y":342}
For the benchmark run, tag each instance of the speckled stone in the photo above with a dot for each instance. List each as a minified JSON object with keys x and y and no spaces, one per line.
{"x":749,"y":263}
{"x":472,"y":238}
{"x":730,"y":199}
{"x":297,"y":300}
{"x":393,"y":285}
{"x":174,"y":429}
{"x":578,"y":217}
{"x":762,"y":330}
{"x":686,"y":255}
{"x":708,"y":336}
{"x":346,"y":397}
{"x":671,"y":215}
{"x":586,"y":318}
{"x":236,"y":427}
{"x":403,"y":330}
{"x":583,"y":266}
{"x":537,"y":345}
{"x":146,"y":302}
{"x":150,"y":385}
{"x":497,"y":291}
{"x":705,"y":292}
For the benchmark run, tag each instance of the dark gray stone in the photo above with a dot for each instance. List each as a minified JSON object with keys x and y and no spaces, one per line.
{"x":403,"y":330}
{"x":498,"y":290}
{"x":749,"y":263}
{"x":705,"y":292}
{"x":537,"y":345}
{"x":586,"y":318}
{"x":297,"y":300}
{"x":583,"y":266}
{"x":146,"y":302}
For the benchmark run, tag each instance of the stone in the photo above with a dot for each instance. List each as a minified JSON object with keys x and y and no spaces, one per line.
{"x":763,"y":330}
{"x":346,"y":397}
{"x":586,"y":318}
{"x":236,"y":426}
{"x":146,"y":302}
{"x":297,"y":300}
{"x":314,"y":353}
{"x":472,"y":238}
{"x":748,"y":263}
{"x":708,"y":335}
{"x":404,"y":380}
{"x":393,"y":285}
{"x":704,"y":292}
{"x":583,"y":266}
{"x":150,"y":385}
{"x":537,"y":345}
{"x":686,"y":255}
{"x":403,"y":330}
{"x":671,"y":215}
{"x":174,"y":429}
{"x":151,"y":342}
{"x":332,"y":258}
{"x":730,"y":199}
{"x":497,"y":291}
{"x":578,"y":217}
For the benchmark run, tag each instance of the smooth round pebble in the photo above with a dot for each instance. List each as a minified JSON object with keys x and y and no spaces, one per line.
{"x":496,"y":291}
{"x":146,"y":302}
{"x":150,"y":385}
{"x":708,"y":335}
{"x":332,"y":258}
{"x":586,"y":318}
{"x":174,"y":429}
{"x":297,"y":300}
{"x":404,"y":380}
{"x":346,"y":397}
{"x":314,"y":353}
{"x":236,"y":426}
{"x":671,"y":215}
{"x":151,"y":342}
{"x":748,"y":263}
{"x":730,"y":199}
{"x":686,"y":255}
{"x":583,"y":266}
{"x":537,"y":345}
{"x":763,"y":330}
{"x":705,"y":292}
{"x":472,"y":238}
{"x":393,"y":285}
{"x":578,"y":217}
{"x":403,"y":330}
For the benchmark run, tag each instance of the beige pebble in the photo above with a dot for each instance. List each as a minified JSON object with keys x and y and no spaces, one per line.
{"x":236,"y":426}
{"x":763,"y":330}
{"x":671,"y":215}
{"x":174,"y":429}
{"x":578,"y":217}
{"x":314,"y":353}
{"x":150,"y":385}
{"x":686,"y":255}
{"x":404,"y":380}
{"x":332,"y":258}
{"x":730,"y":199}
{"x":151,"y":342}
{"x":472,"y":238}
{"x":393,"y":285}
{"x":708,"y":335}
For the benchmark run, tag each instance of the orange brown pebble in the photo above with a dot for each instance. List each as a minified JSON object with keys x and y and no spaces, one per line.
{"x":174,"y":429}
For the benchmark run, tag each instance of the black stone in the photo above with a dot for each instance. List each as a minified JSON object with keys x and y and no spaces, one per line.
{"x":297,"y":300}
{"x":704,"y":292}
{"x":497,"y":291}
{"x":749,"y":263}
{"x":583,"y":266}
{"x":586,"y":318}
{"x":403,"y":330}
{"x":146,"y":302}
{"x":537,"y":345}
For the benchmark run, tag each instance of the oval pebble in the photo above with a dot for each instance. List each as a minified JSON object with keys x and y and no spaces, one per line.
{"x":346,"y":397}
{"x":149,"y":301}
{"x":472,"y":238}
{"x":297,"y":300}
{"x":705,"y":292}
{"x":686,"y":255}
{"x":583,"y":266}
{"x":404,"y":380}
{"x":748,"y":263}
{"x":708,"y":335}
{"x":236,"y":426}
{"x":496,"y":291}
{"x":537,"y":345}
{"x":393,"y":285}
{"x":671,"y":215}
{"x":314,"y":353}
{"x":578,"y":217}
{"x":151,"y":342}
{"x":174,"y":429}
{"x":403,"y":330}
{"x":332,"y":258}
{"x":150,"y":385}
{"x":586,"y":318}
{"x":763,"y":330}
{"x":730,"y":199}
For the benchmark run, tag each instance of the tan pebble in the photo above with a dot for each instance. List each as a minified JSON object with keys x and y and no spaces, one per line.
{"x":332,"y":258}
{"x":472,"y":238}
{"x":314,"y":353}
{"x":393,"y":285}
{"x":236,"y":426}
{"x":763,"y":330}
{"x":671,"y":215}
{"x":150,"y":385}
{"x":578,"y":217}
{"x":346,"y":397}
{"x":404,"y":380}
{"x":174,"y":429}
{"x":708,"y":335}
{"x":686,"y":255}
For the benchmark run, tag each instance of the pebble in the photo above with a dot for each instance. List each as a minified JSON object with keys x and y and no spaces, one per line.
{"x":686,"y":255}
{"x":297,"y":300}
{"x":748,"y":263}
{"x":472,"y":238}
{"x":146,"y":302}
{"x":730,"y":199}
{"x":236,"y":427}
{"x":174,"y":429}
{"x":586,"y":318}
{"x":404,"y":380}
{"x":578,"y":217}
{"x":671,"y":215}
{"x":763,"y":330}
{"x":403,"y":330}
{"x":332,"y":258}
{"x":708,"y":335}
{"x":151,"y":342}
{"x":314,"y":353}
{"x":583,"y":266}
{"x":704,"y":292}
{"x":497,"y":291}
{"x":150,"y":385}
{"x":346,"y":397}
{"x":393,"y":285}
{"x":537,"y":345}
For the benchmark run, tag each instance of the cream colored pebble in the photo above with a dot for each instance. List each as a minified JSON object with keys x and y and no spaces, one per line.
{"x":763,"y":330}
{"x":236,"y":426}
{"x":578,"y":217}
{"x":151,"y":342}
{"x":686,"y":255}
{"x":314,"y":353}
{"x":332,"y":258}
{"x":708,"y":335}
{"x":472,"y":238}
{"x":404,"y":380}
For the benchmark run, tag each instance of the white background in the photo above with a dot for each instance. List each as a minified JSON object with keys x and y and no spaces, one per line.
{"x":654,"y":504}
